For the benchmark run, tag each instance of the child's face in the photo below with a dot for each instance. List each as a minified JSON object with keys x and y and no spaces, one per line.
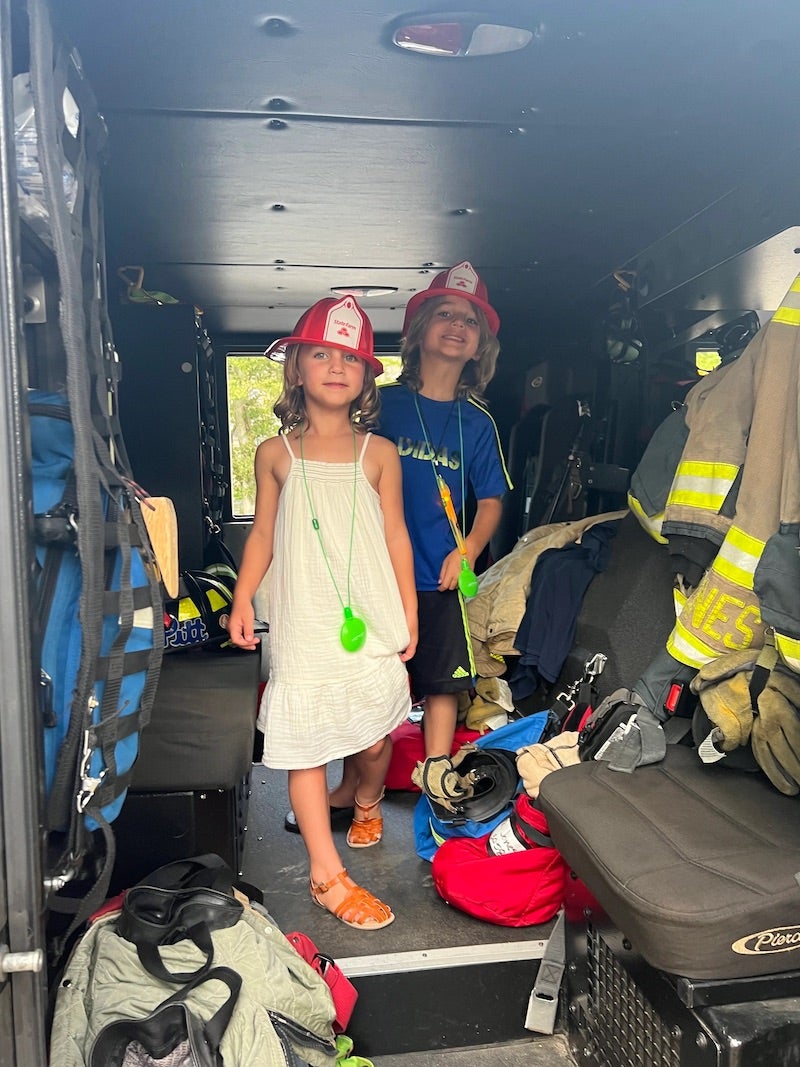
{"x":330,"y":376}
{"x":453,"y":332}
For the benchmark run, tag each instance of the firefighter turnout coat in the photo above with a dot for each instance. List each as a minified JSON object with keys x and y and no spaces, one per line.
{"x":736,"y":497}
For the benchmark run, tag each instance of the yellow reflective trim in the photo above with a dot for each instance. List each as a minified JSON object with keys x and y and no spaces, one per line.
{"x":650,"y":523}
{"x":700,"y":468}
{"x":689,"y":649}
{"x":691,"y":499}
{"x":789,"y":651}
{"x":187,"y":609}
{"x":679,"y":600}
{"x":744,"y":542}
{"x":738,"y":557}
{"x":702,"y":485}
{"x":795,"y":286}
{"x":788,"y":316}
{"x":215,"y":600}
{"x":738,"y":576}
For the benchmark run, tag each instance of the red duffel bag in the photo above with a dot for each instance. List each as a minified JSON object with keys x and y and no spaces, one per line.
{"x":513,"y":876}
{"x":408,"y":748}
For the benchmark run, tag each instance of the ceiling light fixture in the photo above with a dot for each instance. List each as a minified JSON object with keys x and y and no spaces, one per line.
{"x":459,"y":34}
{"x":363,"y":290}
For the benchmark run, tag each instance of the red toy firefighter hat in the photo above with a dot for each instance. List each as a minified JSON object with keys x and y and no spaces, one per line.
{"x":335,"y":323}
{"x":461,"y":280}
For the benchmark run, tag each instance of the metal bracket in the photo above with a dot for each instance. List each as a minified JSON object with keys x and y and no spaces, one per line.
{"x":543,"y":1002}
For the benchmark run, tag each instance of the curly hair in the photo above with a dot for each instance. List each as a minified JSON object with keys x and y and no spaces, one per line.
{"x":290,"y":407}
{"x":475,"y":375}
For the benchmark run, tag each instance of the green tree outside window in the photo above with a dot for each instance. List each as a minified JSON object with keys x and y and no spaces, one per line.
{"x":254,"y":384}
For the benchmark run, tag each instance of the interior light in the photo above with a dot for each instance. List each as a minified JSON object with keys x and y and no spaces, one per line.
{"x":363,"y":290}
{"x":461,"y":35}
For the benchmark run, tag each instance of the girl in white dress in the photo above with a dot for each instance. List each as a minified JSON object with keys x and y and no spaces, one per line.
{"x":329,"y":529}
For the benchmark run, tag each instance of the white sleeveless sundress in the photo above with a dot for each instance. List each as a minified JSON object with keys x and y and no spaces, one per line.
{"x":321,"y":702}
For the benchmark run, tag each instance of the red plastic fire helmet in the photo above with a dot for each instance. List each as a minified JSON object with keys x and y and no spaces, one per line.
{"x":461,"y":280}
{"x":335,"y":323}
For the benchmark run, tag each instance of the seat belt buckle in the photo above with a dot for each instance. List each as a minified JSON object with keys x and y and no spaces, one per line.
{"x":679,"y":701}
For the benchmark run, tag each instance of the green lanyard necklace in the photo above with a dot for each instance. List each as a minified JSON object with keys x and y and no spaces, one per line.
{"x":353,"y":631}
{"x":467,"y":581}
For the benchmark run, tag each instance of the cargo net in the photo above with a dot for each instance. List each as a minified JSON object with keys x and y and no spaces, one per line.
{"x":101,"y":735}
{"x":623,"y":1027}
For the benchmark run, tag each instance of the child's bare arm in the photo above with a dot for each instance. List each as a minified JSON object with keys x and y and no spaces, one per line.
{"x":397,"y":540}
{"x":257,"y":554}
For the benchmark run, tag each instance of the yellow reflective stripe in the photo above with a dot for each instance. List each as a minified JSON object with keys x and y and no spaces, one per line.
{"x":789,"y":311}
{"x":650,"y":523}
{"x":702,"y":485}
{"x":687,"y":648}
{"x":679,"y":600}
{"x":789,"y":651}
{"x":187,"y":609}
{"x":788,"y":316}
{"x":738,"y":558}
{"x":215,"y":600}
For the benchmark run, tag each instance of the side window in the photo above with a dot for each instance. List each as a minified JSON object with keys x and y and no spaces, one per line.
{"x":253,"y":385}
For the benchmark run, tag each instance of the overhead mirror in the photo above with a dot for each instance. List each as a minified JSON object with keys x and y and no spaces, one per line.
{"x":460,"y":36}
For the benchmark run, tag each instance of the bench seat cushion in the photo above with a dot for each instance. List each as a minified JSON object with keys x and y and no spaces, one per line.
{"x":200,"y":734}
{"x":696,"y":865}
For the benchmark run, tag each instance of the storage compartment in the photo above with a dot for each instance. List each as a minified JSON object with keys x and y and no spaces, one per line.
{"x":157,"y":827}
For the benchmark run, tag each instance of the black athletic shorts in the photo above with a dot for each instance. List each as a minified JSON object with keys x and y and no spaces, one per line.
{"x":443,"y":662}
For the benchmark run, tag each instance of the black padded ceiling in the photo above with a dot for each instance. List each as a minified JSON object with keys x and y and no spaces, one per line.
{"x":260,"y":154}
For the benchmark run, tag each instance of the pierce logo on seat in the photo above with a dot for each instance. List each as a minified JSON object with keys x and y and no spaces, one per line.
{"x":778,"y":939}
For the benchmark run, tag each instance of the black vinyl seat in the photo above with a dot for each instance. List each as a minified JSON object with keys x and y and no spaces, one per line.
{"x":697,"y":866}
{"x":190,"y":785}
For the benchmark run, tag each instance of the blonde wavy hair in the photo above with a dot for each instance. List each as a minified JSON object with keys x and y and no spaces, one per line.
{"x":476,"y":374}
{"x":290,"y":407}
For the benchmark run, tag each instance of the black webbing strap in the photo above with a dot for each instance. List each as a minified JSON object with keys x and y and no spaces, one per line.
{"x":767,"y":658}
{"x":110,"y":521}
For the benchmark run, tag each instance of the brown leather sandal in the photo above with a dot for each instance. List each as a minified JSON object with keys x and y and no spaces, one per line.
{"x":364,"y":833}
{"x":359,"y":909}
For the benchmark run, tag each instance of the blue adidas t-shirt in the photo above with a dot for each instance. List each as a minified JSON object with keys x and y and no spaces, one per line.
{"x":484,"y":469}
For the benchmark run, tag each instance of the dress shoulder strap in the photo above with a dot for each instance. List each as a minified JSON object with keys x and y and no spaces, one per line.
{"x":285,"y":438}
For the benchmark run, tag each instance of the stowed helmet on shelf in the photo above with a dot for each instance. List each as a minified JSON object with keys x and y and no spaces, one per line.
{"x":335,"y":323}
{"x":461,"y":280}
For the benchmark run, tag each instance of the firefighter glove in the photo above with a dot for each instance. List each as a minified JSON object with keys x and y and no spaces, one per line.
{"x":440,"y":781}
{"x":535,"y":762}
{"x":776,"y":731}
{"x":723,"y":688}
